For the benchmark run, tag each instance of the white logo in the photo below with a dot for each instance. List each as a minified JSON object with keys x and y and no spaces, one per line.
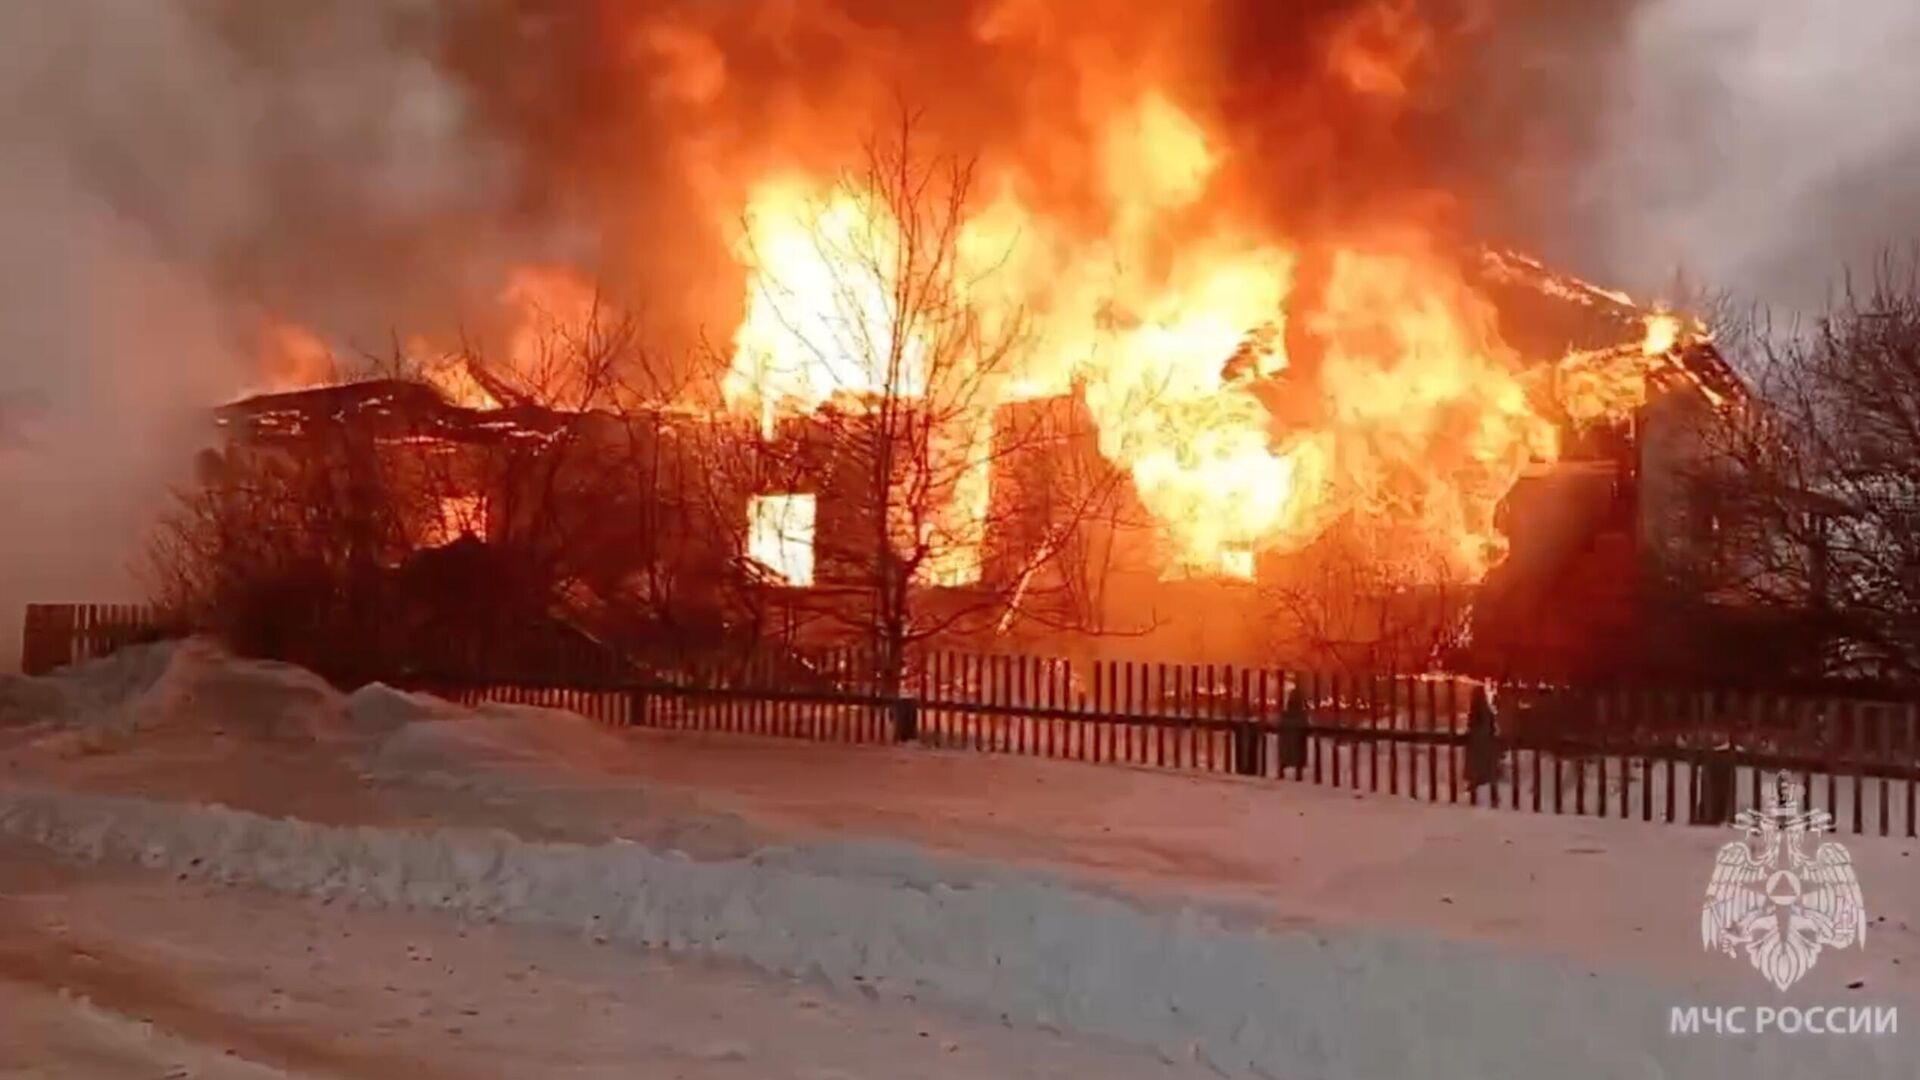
{"x":1769,"y":897}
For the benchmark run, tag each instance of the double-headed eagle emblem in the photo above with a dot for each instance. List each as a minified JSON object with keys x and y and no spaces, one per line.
{"x":1770,"y":898}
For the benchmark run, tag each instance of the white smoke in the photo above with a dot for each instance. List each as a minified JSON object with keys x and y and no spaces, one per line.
{"x":169,"y":168}
{"x":1759,"y":145}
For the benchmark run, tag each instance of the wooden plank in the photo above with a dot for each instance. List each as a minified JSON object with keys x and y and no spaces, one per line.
{"x":1882,"y":752}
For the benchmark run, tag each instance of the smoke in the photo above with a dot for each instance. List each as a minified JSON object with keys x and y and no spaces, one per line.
{"x":174,"y":170}
{"x":170,"y":170}
{"x":1756,"y":147}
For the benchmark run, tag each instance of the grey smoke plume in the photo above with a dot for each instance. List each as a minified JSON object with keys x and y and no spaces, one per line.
{"x":166,"y":166}
{"x":170,"y":169}
{"x":1757,"y":145}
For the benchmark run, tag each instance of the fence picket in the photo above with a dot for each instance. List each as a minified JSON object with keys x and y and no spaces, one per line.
{"x":1219,"y":718}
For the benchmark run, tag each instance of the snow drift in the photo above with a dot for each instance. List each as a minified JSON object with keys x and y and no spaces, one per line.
{"x":175,"y":685}
{"x":195,"y":687}
{"x":1244,"y":992}
{"x":1247,"y":1002}
{"x":417,"y":732}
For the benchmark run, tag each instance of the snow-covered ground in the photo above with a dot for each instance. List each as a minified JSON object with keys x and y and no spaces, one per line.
{"x":112,"y":973}
{"x":1260,"y":927}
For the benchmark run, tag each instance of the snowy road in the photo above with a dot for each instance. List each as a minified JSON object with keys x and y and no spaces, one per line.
{"x":117,"y":973}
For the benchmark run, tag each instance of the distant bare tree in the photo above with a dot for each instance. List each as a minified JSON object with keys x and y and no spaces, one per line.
{"x":1344,"y":605}
{"x":1805,"y":509}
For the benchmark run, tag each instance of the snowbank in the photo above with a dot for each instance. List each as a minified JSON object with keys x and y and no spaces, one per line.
{"x":1296,"y":1005}
{"x":195,"y":687}
{"x":1369,"y":980}
{"x":418,"y":733}
{"x":90,"y":691}
{"x":378,"y":710}
{"x":178,"y":685}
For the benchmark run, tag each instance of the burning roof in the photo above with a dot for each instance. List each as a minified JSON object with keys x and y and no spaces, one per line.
{"x":1545,"y":310}
{"x":394,"y":409}
{"x":1261,"y":306}
{"x":1580,"y":336}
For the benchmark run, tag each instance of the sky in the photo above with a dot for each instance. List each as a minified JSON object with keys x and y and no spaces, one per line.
{"x":1758,"y":145}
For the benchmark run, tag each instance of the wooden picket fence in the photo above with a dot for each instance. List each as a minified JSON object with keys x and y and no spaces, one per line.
{"x":1619,"y":752}
{"x":1651,"y":754}
{"x":59,"y":634}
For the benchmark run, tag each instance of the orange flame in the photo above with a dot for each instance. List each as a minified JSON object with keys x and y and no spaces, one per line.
{"x":1416,"y":419}
{"x":1663,"y":333}
{"x":559,"y":334}
{"x":1428,"y":422}
{"x":292,"y":357}
{"x":1257,"y":387}
{"x":1607,"y":384}
{"x":451,"y":374}
{"x":454,"y":517}
{"x":819,"y":321}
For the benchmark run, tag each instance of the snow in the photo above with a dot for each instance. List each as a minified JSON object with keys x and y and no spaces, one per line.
{"x":1262,"y":927}
{"x":91,"y":1043}
{"x":426,"y":735}
{"x":192,"y":683}
{"x":110,"y":973}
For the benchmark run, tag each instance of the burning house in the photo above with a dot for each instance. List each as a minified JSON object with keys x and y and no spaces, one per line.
{"x":1575,"y":531}
{"x":380,"y":509}
{"x":1089,"y":383}
{"x":1024,"y":525}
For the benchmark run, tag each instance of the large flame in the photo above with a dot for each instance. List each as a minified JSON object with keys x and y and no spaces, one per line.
{"x":1170,"y":319}
{"x":819,"y":320}
{"x":1193,"y":218}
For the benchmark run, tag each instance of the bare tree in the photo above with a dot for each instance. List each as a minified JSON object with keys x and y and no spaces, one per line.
{"x":277,"y":546}
{"x":1803,"y":516}
{"x":360,"y":528}
{"x":899,"y":461}
{"x":1359,"y":600}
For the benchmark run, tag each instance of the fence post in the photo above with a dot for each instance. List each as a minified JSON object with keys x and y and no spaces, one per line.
{"x":50,"y":638}
{"x":1714,"y":794}
{"x":1483,"y":753}
{"x":1246,"y":748}
{"x":1293,"y":731}
{"x":906,"y":719}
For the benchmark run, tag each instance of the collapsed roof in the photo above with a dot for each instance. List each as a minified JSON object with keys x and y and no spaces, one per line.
{"x":1542,"y":313}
